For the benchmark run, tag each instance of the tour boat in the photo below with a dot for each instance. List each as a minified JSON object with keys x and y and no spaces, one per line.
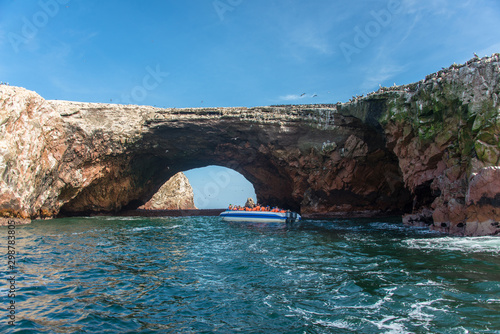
{"x":260,"y":216}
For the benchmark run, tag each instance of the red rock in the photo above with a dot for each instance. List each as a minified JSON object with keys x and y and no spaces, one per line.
{"x":175,"y":194}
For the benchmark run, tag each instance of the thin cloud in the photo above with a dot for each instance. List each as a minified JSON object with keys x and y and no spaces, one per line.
{"x":305,"y":32}
{"x":3,"y":37}
{"x":410,"y":29}
{"x":381,"y":75}
{"x":495,"y":48}
{"x":294,"y":97}
{"x":309,"y":36}
{"x":291,"y":97}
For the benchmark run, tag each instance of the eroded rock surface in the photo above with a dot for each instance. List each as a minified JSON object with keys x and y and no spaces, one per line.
{"x":445,"y":132}
{"x":111,"y":157}
{"x":175,"y":194}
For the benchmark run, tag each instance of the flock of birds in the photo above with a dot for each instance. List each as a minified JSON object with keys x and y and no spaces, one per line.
{"x":303,"y":94}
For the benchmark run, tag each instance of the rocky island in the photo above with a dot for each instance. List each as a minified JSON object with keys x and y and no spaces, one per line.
{"x":428,"y":151}
{"x":175,"y":194}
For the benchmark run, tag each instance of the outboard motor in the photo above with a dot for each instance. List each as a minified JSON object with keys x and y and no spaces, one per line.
{"x":292,"y":217}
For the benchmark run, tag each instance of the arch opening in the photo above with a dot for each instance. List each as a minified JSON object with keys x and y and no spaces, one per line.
{"x":215,"y":187}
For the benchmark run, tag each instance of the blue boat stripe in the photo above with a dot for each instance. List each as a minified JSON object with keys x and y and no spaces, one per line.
{"x":249,"y":215}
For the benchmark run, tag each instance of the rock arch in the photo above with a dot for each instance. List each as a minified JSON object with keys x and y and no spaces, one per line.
{"x":92,"y":157}
{"x":306,"y":158}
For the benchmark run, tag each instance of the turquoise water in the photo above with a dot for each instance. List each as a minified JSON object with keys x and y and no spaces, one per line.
{"x":201,"y":275}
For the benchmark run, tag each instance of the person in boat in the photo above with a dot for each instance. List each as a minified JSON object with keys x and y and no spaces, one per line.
{"x":255,"y":207}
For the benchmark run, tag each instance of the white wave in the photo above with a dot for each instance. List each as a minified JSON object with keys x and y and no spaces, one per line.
{"x":493,"y":301}
{"x":429,"y":283}
{"x":424,"y":312}
{"x":417,"y":312}
{"x":390,"y":325}
{"x":171,"y":227}
{"x":145,"y":228}
{"x":334,"y":324}
{"x":388,"y":226}
{"x":104,"y":243}
{"x":125,"y":218}
{"x":92,"y":231}
{"x":300,"y":311}
{"x":395,"y":226}
{"x":462,"y":244}
{"x":268,"y":298}
{"x":257,"y":249}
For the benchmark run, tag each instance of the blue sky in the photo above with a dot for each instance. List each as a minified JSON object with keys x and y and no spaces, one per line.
{"x":216,"y":187}
{"x":210,"y":53}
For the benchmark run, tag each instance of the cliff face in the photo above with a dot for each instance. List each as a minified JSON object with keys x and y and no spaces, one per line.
{"x":32,"y":145}
{"x":445,"y":131}
{"x":175,"y":194}
{"x":428,"y":149}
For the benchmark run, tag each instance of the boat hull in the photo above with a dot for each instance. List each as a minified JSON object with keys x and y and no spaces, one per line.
{"x":260,"y":216}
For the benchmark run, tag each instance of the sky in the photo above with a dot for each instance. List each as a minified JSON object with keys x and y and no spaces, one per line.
{"x":217,"y":187}
{"x":223,"y":53}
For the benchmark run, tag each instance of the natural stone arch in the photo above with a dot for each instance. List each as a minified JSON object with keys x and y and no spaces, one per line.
{"x":297,"y":157}
{"x":106,"y":158}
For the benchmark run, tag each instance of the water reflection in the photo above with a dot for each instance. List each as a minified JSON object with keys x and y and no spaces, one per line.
{"x":260,"y":226}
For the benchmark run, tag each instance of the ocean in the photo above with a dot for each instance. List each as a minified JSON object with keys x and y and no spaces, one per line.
{"x":203,"y":275}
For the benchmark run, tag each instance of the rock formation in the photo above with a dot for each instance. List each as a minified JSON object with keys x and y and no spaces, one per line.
{"x":429,"y":150}
{"x":114,"y":157}
{"x":445,"y":132}
{"x":175,"y":194}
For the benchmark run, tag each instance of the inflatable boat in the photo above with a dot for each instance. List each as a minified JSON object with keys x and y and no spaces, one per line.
{"x":260,"y":216}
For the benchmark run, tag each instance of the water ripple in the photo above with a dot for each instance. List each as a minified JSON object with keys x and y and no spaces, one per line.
{"x":200,"y":275}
